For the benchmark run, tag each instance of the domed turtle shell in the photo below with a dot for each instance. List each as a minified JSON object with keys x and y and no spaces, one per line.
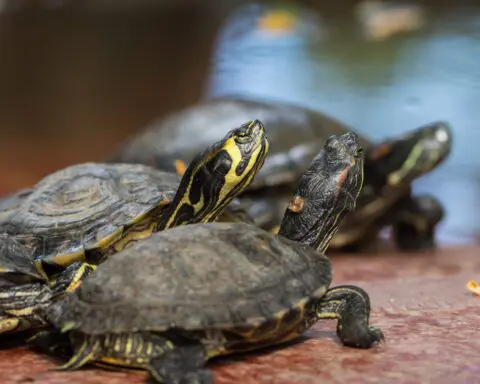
{"x":295,"y":134}
{"x":103,"y":208}
{"x":80,"y":206}
{"x":194,"y":277}
{"x":10,"y":202}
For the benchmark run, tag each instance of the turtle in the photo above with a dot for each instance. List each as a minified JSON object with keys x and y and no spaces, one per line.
{"x":296,"y":134}
{"x":186,"y":295}
{"x":386,"y":198}
{"x":77,"y":217}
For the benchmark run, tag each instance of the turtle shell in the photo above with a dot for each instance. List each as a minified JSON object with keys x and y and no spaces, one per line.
{"x":80,"y":206}
{"x":295,"y":136}
{"x":9,"y":203}
{"x":196,"y":277}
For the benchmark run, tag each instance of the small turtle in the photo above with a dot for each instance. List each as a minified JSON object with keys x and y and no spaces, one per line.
{"x":174,"y":301}
{"x":296,"y":134}
{"x":79,"y":216}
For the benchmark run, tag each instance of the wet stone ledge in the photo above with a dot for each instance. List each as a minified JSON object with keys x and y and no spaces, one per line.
{"x":419,"y":300}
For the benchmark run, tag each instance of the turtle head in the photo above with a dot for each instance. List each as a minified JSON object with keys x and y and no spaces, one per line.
{"x":399,"y":162}
{"x":218,"y":174}
{"x":326,"y":192}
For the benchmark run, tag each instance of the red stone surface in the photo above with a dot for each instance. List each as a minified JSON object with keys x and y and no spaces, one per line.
{"x":430,"y":321}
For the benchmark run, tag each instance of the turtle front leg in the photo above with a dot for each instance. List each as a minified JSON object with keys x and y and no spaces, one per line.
{"x":351,"y":306}
{"x":20,"y":307}
{"x":184,"y":364}
{"x":414,"y":227}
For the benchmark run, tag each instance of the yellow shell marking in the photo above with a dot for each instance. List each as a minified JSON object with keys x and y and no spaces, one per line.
{"x":116,"y":361}
{"x":110,"y":239}
{"x":67,"y":259}
{"x":149,"y":348}
{"x":117,"y":345}
{"x":128,"y":346}
{"x":287,"y":331}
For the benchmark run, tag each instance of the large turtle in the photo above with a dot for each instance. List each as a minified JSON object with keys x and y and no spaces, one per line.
{"x":296,"y":134}
{"x":186,"y":295}
{"x":78,"y":216}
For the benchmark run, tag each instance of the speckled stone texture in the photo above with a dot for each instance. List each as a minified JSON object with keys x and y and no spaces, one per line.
{"x":430,"y":321}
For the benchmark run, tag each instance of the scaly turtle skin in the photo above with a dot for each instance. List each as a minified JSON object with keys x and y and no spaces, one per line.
{"x":174,"y":301}
{"x":77,"y":217}
{"x":296,"y":134}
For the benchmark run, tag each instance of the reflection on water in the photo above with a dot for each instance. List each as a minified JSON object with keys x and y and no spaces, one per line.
{"x":380,"y":88}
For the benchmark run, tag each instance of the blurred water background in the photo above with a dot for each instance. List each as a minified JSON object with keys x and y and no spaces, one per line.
{"x":76,"y":78}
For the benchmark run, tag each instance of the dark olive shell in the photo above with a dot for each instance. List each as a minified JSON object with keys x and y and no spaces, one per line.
{"x":78,"y":206}
{"x":9,"y":203}
{"x":196,"y":277}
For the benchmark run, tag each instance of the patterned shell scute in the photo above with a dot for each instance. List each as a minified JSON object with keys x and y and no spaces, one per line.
{"x":81,"y":204}
{"x":195,"y":277}
{"x":9,"y":203}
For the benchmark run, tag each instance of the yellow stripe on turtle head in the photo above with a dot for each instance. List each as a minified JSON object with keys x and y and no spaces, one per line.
{"x":410,"y":163}
{"x":247,"y":148}
{"x":236,"y":183}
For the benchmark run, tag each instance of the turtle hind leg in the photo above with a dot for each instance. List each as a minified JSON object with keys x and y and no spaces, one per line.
{"x":351,"y":306}
{"x":184,"y":364}
{"x":51,"y":342}
{"x":414,"y":228}
{"x":89,"y":349}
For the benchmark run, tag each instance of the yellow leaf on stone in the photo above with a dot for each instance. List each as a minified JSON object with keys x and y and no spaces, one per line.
{"x":473,"y":287}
